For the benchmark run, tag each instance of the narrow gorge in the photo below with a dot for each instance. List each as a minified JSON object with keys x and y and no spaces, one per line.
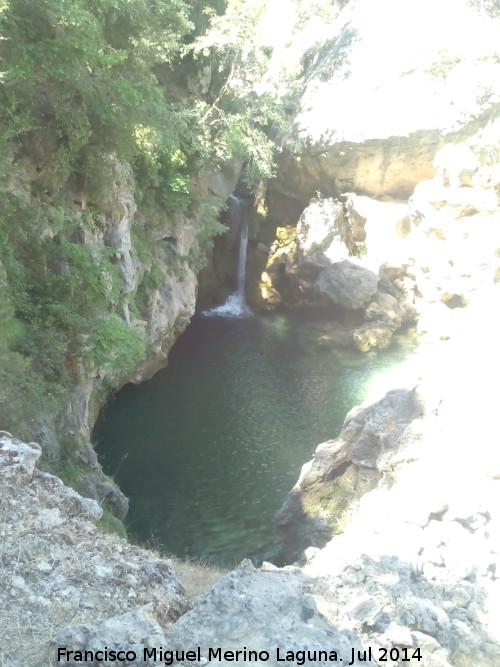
{"x":223,"y":225}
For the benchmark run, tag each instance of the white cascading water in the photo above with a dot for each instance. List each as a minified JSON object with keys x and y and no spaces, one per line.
{"x":235,"y":305}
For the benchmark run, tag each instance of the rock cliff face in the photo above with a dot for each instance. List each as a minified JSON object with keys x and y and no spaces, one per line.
{"x":343,"y":470}
{"x":414,"y":554}
{"x":157,"y":255}
{"x":424,"y":260}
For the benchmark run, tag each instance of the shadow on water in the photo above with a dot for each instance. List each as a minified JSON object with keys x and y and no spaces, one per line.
{"x":208,"y":449}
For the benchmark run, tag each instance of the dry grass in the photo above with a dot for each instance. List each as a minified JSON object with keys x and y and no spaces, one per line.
{"x":196,"y":577}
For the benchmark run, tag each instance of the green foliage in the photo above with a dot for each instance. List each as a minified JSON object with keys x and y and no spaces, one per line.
{"x":115,"y":347}
{"x":241,"y":114}
{"x":77,"y":76}
{"x":161,"y":165}
{"x":209,"y":226}
{"x":13,"y":366}
{"x":55,"y":287}
{"x":79,"y":91}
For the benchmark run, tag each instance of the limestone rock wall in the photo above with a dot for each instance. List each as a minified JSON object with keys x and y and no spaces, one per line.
{"x":343,"y":470}
{"x":158,"y":255}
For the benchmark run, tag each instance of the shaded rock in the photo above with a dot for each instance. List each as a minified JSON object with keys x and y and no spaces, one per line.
{"x":326,"y":334}
{"x":119,"y":203}
{"x":347,"y":284}
{"x":105,"y":492}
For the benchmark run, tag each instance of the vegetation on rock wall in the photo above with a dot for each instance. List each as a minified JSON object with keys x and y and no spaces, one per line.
{"x":169,"y":87}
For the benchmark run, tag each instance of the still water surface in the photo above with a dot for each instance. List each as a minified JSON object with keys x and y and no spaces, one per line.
{"x":209,"y":448}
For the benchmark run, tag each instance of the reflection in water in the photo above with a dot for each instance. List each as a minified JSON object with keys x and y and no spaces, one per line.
{"x":208,"y":449}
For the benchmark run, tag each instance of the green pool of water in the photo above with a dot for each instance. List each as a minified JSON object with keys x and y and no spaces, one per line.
{"x":209,"y":448}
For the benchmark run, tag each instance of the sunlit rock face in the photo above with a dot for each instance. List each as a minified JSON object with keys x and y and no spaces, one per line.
{"x":387,"y":264}
{"x":388,"y":116}
{"x":383,"y":95}
{"x":317,"y":263}
{"x":343,"y":470}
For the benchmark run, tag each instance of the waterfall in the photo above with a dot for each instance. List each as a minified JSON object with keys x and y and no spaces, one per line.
{"x":235,"y":305}
{"x":242,"y":210}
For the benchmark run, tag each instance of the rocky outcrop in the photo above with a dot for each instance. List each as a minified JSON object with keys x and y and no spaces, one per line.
{"x":415,"y":560}
{"x":414,"y":574}
{"x":67,"y":589}
{"x":418,"y":563}
{"x":428,"y":135}
{"x":316,"y":265}
{"x":417,"y":261}
{"x":58,"y":568}
{"x":322,"y":236}
{"x":343,"y":470}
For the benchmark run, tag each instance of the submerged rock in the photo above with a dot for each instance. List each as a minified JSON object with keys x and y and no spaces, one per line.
{"x":373,"y":335}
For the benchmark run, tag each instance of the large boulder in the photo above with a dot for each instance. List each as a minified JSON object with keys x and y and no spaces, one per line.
{"x":347,"y":284}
